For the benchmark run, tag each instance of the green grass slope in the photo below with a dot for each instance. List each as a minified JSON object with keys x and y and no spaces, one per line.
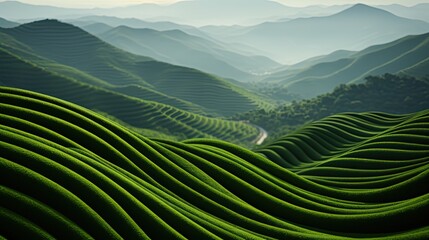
{"x":408,"y":54}
{"x":15,"y":49}
{"x":69,"y":173}
{"x":131,"y":110}
{"x":73,"y":47}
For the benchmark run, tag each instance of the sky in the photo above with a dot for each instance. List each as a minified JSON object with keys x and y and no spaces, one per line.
{"x":296,"y":3}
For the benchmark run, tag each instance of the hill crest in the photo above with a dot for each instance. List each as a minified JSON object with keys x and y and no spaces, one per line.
{"x":361,"y":9}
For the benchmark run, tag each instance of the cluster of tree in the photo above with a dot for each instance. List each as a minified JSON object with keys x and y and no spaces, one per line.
{"x":388,"y":93}
{"x":274,"y":91}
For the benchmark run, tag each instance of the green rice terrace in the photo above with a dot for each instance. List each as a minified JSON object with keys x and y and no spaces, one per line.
{"x":70,"y":173}
{"x":131,"y":110}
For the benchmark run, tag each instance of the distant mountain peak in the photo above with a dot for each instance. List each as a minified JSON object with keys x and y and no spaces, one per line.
{"x":45,"y":22}
{"x":363,"y":9}
{"x":361,"y":5}
{"x":49,"y":23}
{"x":47,"y":27}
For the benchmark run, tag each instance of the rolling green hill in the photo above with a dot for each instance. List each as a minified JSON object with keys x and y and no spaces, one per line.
{"x":129,"y":108}
{"x":94,"y":179}
{"x":14,"y":49}
{"x":409,"y":55}
{"x":73,"y":47}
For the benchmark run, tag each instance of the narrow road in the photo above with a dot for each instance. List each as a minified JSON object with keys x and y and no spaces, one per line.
{"x":262,"y":135}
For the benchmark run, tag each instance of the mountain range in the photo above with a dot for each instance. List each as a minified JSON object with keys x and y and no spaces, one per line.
{"x":136,"y":62}
{"x":295,"y":40}
{"x":88,"y":59}
{"x":113,"y":22}
{"x":179,"y":48}
{"x":408,"y":55}
{"x":71,"y":46}
{"x":194,"y":12}
{"x":62,"y":60}
{"x":418,"y":11}
{"x":200,"y":13}
{"x":319,"y":30}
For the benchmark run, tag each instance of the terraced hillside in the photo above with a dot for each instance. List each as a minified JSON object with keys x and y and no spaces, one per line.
{"x":67,"y":172}
{"x":135,"y":112}
{"x":15,"y":55}
{"x":70,"y":46}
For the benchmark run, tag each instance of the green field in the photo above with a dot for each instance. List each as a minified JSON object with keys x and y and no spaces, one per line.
{"x":67,"y":172}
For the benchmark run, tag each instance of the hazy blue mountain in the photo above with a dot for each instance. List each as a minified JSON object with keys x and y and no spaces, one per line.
{"x":89,"y":23}
{"x":291,"y":70}
{"x":194,"y":12}
{"x":95,"y":28}
{"x":314,"y":11}
{"x":221,"y":12}
{"x":7,"y":24}
{"x":15,"y":10}
{"x":135,"y":23}
{"x":177,"y":47}
{"x":221,"y":33}
{"x":408,"y":55}
{"x":323,"y":58}
{"x":353,"y":29}
{"x":419,"y":11}
{"x":206,"y":12}
{"x":243,"y":12}
{"x":83,"y":22}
